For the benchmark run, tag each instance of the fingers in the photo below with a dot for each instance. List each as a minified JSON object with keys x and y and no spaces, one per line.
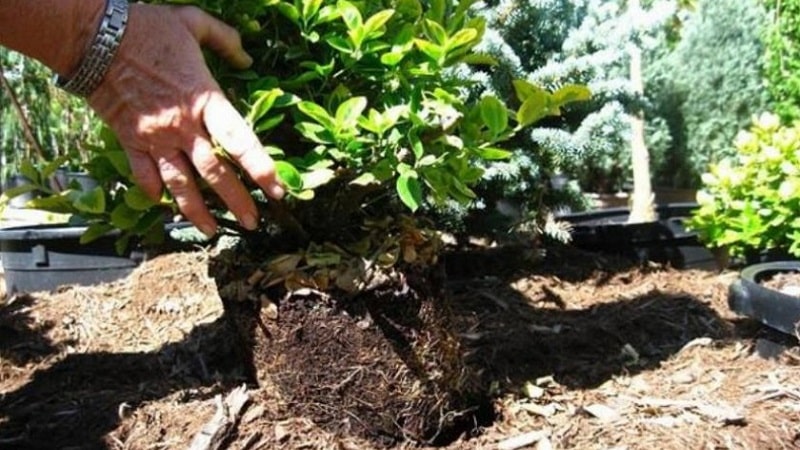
{"x":225,"y":183}
{"x":225,"y":125}
{"x":146,"y":174}
{"x":218,"y":36}
{"x":178,"y":177}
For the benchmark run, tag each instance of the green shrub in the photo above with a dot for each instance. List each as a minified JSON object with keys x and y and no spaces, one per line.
{"x":782,"y":62}
{"x":706,"y":88}
{"x":751,"y":202}
{"x":363,"y":112}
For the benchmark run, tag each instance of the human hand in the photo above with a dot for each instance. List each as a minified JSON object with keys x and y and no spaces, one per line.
{"x":165,"y":107}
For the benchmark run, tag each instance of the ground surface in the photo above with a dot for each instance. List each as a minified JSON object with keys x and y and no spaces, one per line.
{"x":578,"y":352}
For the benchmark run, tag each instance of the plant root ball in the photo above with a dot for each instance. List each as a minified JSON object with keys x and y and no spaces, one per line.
{"x":385,"y":365}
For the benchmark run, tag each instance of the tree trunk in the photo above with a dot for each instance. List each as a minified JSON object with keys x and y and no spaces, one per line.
{"x":642,"y":208}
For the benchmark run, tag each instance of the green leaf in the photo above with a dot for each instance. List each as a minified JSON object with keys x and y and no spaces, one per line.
{"x":462,"y":38}
{"x":347,"y":113}
{"x":310,"y":8}
{"x":92,"y":202}
{"x":28,"y":170}
{"x":289,"y":175}
{"x":416,"y":144}
{"x":383,"y":170}
{"x":373,"y":47}
{"x":315,"y":133}
{"x":153,"y":235}
{"x":263,"y":101}
{"x":493,"y":154}
{"x":124,"y":217}
{"x":274,"y":151}
{"x":535,"y":107}
{"x":377,"y":21}
{"x":151,"y":221}
{"x":436,"y":10}
{"x":289,"y":11}
{"x":317,"y":113}
{"x":341,"y":44}
{"x":323,"y":70}
{"x":350,"y":14}
{"x":478,"y":59}
{"x":373,"y":122}
{"x":435,"y":32}
{"x":460,"y":191}
{"x":571,"y":93}
{"x":19,"y":190}
{"x":316,"y":178}
{"x":409,"y":9}
{"x":461,"y":11}
{"x":427,"y":160}
{"x":409,"y":190}
{"x":392,"y":59}
{"x":58,"y":204}
{"x":328,"y":13}
{"x":119,"y":159}
{"x":95,"y":231}
{"x":137,"y":199}
{"x":494,"y":114}
{"x":269,"y":123}
{"x":305,"y":195}
{"x":122,"y":243}
{"x":53,"y":165}
{"x":365,"y":179}
{"x":525,"y":89}
{"x":435,"y":52}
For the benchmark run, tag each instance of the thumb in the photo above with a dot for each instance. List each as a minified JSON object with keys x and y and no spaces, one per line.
{"x":218,"y":36}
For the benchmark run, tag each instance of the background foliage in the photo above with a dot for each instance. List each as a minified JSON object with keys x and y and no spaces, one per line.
{"x":751,"y":202}
{"x":705,"y":88}
{"x":62,"y":125}
{"x":782,"y":61}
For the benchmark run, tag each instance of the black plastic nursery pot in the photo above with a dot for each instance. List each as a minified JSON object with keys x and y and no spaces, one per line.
{"x":44,"y":257}
{"x":665,"y":240}
{"x":749,"y":297}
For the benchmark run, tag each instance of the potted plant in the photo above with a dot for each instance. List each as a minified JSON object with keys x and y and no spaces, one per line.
{"x":749,"y":205}
{"x":770,"y":293}
{"x":57,"y":181}
{"x":750,"y":213}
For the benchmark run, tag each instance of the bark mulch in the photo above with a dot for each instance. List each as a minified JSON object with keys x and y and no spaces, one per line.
{"x":492,"y":350}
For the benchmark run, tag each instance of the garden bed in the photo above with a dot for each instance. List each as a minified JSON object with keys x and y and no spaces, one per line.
{"x":576,"y":351}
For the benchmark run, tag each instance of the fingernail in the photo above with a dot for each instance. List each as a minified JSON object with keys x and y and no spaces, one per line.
{"x":208,"y":229}
{"x":276,"y":191}
{"x":247,"y":60}
{"x":249,"y":221}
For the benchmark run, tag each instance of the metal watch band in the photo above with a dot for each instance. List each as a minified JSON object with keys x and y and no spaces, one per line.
{"x":95,"y":63}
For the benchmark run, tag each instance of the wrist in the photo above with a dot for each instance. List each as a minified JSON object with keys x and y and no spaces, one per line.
{"x":97,"y":57}
{"x":84,"y":18}
{"x":56,"y":32}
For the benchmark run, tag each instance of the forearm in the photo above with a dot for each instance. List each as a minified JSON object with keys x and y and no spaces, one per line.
{"x":56,"y":32}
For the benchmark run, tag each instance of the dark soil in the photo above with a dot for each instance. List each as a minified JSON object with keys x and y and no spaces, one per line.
{"x":587,"y":351}
{"x":384,"y":365}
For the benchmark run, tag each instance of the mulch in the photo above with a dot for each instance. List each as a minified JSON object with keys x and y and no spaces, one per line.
{"x":572,"y":351}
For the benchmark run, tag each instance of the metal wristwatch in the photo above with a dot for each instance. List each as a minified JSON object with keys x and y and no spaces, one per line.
{"x":94,"y":65}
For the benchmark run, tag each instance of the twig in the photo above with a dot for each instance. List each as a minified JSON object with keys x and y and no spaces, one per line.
{"x":23,"y":119}
{"x":213,"y":434}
